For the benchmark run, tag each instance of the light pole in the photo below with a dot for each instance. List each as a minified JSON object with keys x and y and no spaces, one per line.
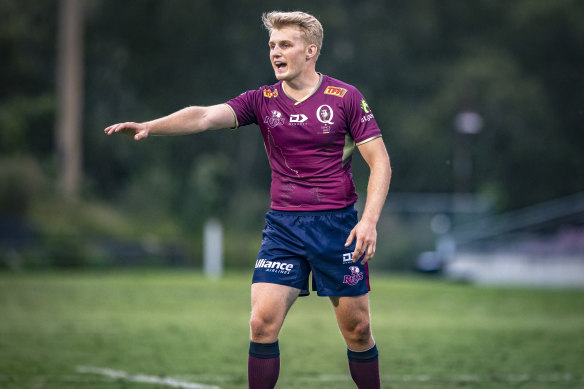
{"x":466,"y":123}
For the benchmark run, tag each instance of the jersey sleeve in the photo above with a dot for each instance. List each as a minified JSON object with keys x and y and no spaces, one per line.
{"x":244,"y":108}
{"x":362,"y":124}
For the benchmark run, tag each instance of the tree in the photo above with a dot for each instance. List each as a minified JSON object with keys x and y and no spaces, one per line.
{"x":70,"y":96}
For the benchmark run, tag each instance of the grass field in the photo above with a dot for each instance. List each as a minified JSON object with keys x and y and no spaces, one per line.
{"x":162,"y":329}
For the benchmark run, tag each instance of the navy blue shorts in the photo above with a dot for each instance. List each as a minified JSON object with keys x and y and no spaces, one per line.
{"x":294,"y":244}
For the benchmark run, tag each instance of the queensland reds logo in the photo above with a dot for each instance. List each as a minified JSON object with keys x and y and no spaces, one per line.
{"x":275,"y":120}
{"x":324,"y":113}
{"x":355,"y":277}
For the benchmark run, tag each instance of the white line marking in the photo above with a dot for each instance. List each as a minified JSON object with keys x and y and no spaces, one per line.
{"x":142,"y":378}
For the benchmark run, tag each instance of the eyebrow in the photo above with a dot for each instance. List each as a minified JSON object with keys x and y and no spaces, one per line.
{"x":282,"y":41}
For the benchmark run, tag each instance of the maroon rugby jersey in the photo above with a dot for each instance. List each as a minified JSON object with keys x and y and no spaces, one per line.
{"x":310,"y":142}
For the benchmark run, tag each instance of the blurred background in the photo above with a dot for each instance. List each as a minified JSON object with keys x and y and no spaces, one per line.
{"x":481,"y":105}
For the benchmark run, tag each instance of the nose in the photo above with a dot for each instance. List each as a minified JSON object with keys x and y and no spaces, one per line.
{"x":275,"y":52}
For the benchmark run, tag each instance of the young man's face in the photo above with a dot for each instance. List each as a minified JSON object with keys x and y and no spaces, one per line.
{"x":288,"y":52}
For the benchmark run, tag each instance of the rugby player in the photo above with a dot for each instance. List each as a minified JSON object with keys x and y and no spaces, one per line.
{"x":310,"y":124}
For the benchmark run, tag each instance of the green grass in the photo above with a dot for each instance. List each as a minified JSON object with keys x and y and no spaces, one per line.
{"x":431,"y":334}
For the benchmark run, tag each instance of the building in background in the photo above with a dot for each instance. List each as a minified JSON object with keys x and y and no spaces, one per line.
{"x":539,"y":245}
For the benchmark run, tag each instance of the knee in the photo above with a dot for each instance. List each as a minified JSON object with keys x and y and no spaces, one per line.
{"x":359,"y":333}
{"x":257,"y":324}
{"x":262,"y":329}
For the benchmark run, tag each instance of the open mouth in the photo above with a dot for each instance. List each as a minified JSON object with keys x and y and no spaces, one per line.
{"x":280,"y":65}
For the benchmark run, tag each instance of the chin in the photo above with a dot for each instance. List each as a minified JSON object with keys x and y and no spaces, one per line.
{"x":280,"y":76}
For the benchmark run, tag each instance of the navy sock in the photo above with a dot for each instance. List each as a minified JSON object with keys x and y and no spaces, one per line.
{"x":263,"y":366}
{"x":364,"y":367}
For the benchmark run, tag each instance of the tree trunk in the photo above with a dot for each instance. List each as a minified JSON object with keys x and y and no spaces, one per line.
{"x":70,"y":97}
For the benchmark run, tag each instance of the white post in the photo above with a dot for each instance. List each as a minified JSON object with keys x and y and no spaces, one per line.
{"x":213,"y":249}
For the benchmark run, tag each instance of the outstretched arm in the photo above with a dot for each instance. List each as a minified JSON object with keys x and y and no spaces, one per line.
{"x":189,"y":120}
{"x":375,"y":154}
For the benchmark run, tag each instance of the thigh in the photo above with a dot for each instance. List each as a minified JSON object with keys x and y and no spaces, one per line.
{"x":351,"y":309}
{"x":269,"y":305}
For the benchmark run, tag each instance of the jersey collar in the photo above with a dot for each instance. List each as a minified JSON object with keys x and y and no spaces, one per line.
{"x":296,"y":102}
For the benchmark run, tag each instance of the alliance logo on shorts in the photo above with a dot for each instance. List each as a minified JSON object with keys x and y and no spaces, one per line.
{"x":275,"y":120}
{"x":354,"y":278}
{"x":274,"y":266}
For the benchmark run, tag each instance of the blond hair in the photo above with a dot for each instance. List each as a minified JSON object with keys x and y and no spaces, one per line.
{"x":309,"y":26}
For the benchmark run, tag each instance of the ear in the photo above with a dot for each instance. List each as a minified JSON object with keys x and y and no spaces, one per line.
{"x":311,"y":51}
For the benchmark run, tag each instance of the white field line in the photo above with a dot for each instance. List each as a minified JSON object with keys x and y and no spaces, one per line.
{"x":331,"y":378}
{"x":142,"y":378}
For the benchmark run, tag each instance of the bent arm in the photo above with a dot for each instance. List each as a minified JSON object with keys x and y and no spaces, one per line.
{"x":365,"y":232}
{"x":189,"y":120}
{"x":375,"y":154}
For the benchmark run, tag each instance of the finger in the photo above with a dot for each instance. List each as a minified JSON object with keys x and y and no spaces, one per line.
{"x":369,"y":254}
{"x":358,"y":251}
{"x":117,"y":128}
{"x":371,"y":250}
{"x":350,"y":238}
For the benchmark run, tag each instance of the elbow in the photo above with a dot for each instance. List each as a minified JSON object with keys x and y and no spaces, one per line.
{"x":387,"y":169}
{"x":385,"y":163}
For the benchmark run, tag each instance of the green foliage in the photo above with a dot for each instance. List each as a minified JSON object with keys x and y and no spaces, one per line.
{"x":27,"y":43}
{"x":418,"y":68}
{"x":21,"y":182}
{"x":206,"y":190}
{"x":67,"y":252}
{"x":26,"y":123}
{"x":518,"y":64}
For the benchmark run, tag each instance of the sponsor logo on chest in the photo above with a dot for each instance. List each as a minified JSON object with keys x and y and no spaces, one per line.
{"x":298,"y":119}
{"x":324,"y":115}
{"x":335,"y":91}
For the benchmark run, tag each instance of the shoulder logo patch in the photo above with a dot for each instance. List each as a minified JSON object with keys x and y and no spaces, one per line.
{"x":365,"y":106}
{"x":335,"y":91}
{"x":270,"y":93}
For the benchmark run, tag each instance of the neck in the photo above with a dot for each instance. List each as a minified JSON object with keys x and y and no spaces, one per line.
{"x":305,"y":82}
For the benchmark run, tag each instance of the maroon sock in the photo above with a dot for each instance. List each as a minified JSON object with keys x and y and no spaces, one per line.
{"x":364,"y":367}
{"x":263,"y":366}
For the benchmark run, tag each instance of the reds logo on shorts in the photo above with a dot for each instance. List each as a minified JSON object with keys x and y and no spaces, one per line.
{"x":355,"y":277}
